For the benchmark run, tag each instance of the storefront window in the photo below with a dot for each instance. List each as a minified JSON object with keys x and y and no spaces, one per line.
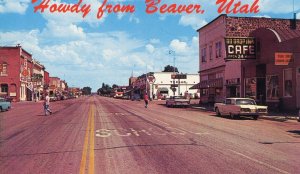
{"x":288,"y":85}
{"x":250,"y":88}
{"x":3,"y":69}
{"x":218,"y":49}
{"x":203,"y":57}
{"x":4,"y":88}
{"x":272,"y":87}
{"x":204,"y":92}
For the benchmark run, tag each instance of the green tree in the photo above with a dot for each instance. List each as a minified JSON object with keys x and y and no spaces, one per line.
{"x":104,"y":90}
{"x":170,"y":68}
{"x":87,"y":91}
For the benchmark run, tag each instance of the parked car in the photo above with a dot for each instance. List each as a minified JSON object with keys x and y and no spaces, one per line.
{"x":236,"y":107}
{"x":53,"y":98}
{"x":177,"y":101}
{"x":4,"y":105}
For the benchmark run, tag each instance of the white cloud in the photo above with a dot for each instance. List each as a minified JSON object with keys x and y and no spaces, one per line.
{"x":105,"y":53}
{"x":178,"y":46}
{"x":70,"y":31}
{"x":150,"y":48}
{"x":134,"y":19}
{"x":109,"y":54}
{"x":120,"y":15}
{"x":298,"y":16}
{"x":154,"y":41}
{"x":193,"y":20}
{"x":14,"y":6}
{"x":162,"y":17}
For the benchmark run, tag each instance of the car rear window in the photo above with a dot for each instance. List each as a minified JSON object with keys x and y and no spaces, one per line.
{"x":245,"y":102}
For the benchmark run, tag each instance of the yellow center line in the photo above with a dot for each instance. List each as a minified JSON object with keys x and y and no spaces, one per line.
{"x":92,"y":144}
{"x":88,"y":144}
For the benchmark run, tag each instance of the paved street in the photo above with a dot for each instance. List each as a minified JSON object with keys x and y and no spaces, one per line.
{"x":104,"y":135}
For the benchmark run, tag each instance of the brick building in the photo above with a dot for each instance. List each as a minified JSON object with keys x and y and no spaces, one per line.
{"x":263,"y":78}
{"x":16,"y":68}
{"x":54,"y":86}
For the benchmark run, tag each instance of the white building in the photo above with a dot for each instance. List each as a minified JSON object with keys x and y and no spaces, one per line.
{"x":161,"y":84}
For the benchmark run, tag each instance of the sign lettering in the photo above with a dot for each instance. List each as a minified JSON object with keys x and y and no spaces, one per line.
{"x":240,"y":48}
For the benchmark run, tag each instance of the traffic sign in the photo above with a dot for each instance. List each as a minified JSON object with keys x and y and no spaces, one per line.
{"x":173,"y":89}
{"x":178,"y":76}
{"x":151,"y":79}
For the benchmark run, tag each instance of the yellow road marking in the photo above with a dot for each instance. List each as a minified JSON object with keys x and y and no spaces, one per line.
{"x":88,"y":144}
{"x":92,"y":144}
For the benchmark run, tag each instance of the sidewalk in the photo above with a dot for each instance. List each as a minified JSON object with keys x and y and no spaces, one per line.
{"x":274,"y":116}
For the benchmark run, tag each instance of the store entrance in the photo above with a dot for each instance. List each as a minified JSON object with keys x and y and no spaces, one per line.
{"x":233,"y":91}
{"x":261,"y":84}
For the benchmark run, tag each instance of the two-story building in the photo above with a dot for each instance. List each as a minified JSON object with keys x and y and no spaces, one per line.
{"x":250,"y":57}
{"x":54,"y":86}
{"x":16,"y":69}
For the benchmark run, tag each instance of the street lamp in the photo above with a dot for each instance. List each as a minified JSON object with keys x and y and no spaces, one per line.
{"x":171,"y":52}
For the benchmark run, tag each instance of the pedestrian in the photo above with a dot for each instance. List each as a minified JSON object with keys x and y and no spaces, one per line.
{"x":47,"y":105}
{"x":146,"y":99}
{"x":299,"y":115}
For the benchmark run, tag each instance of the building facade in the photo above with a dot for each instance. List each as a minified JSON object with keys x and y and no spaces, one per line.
{"x":160,"y":85}
{"x":261,"y":78}
{"x":54,"y":86}
{"x":16,"y":69}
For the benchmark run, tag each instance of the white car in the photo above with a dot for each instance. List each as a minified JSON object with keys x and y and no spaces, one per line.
{"x":236,"y":107}
{"x":177,"y":101}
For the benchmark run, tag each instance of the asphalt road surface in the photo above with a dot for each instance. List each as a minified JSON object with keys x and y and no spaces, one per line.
{"x":110,"y":136}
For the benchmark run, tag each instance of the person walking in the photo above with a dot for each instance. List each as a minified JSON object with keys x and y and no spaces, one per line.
{"x":47,"y":105}
{"x":299,"y":115}
{"x":146,"y":99}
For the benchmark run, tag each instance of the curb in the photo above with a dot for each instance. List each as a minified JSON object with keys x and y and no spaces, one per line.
{"x":272,"y":118}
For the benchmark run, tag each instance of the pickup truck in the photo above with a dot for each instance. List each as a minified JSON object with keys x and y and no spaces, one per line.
{"x":236,"y":107}
{"x":177,"y":101}
{"x":4,"y":105}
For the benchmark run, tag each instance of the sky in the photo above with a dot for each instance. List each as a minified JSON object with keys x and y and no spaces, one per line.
{"x":90,"y":51}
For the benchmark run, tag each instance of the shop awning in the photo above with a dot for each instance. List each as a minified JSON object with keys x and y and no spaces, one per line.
{"x":212,"y":83}
{"x":197,"y":86}
{"x":163,"y":89}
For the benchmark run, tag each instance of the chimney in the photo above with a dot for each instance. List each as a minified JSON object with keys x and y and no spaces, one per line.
{"x":294,"y":22}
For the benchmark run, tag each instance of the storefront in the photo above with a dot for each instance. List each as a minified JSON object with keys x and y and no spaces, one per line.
{"x":233,"y":87}
{"x":211,"y":90}
{"x":273,"y":78}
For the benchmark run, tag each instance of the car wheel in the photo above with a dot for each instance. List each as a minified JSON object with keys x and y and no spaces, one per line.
{"x":232,"y":116}
{"x":218,"y":112}
{"x":255,"y":117}
{"x":1,"y":109}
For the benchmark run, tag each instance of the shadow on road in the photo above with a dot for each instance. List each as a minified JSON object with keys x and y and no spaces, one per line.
{"x":297,"y":132}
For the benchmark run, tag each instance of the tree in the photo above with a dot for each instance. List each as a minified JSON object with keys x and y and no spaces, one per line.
{"x":87,"y":91}
{"x":115,"y":86}
{"x":170,"y":68}
{"x":104,"y":90}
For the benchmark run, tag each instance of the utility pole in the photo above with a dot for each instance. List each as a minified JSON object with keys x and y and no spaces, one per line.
{"x":147,"y":80}
{"x":173,"y":53}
